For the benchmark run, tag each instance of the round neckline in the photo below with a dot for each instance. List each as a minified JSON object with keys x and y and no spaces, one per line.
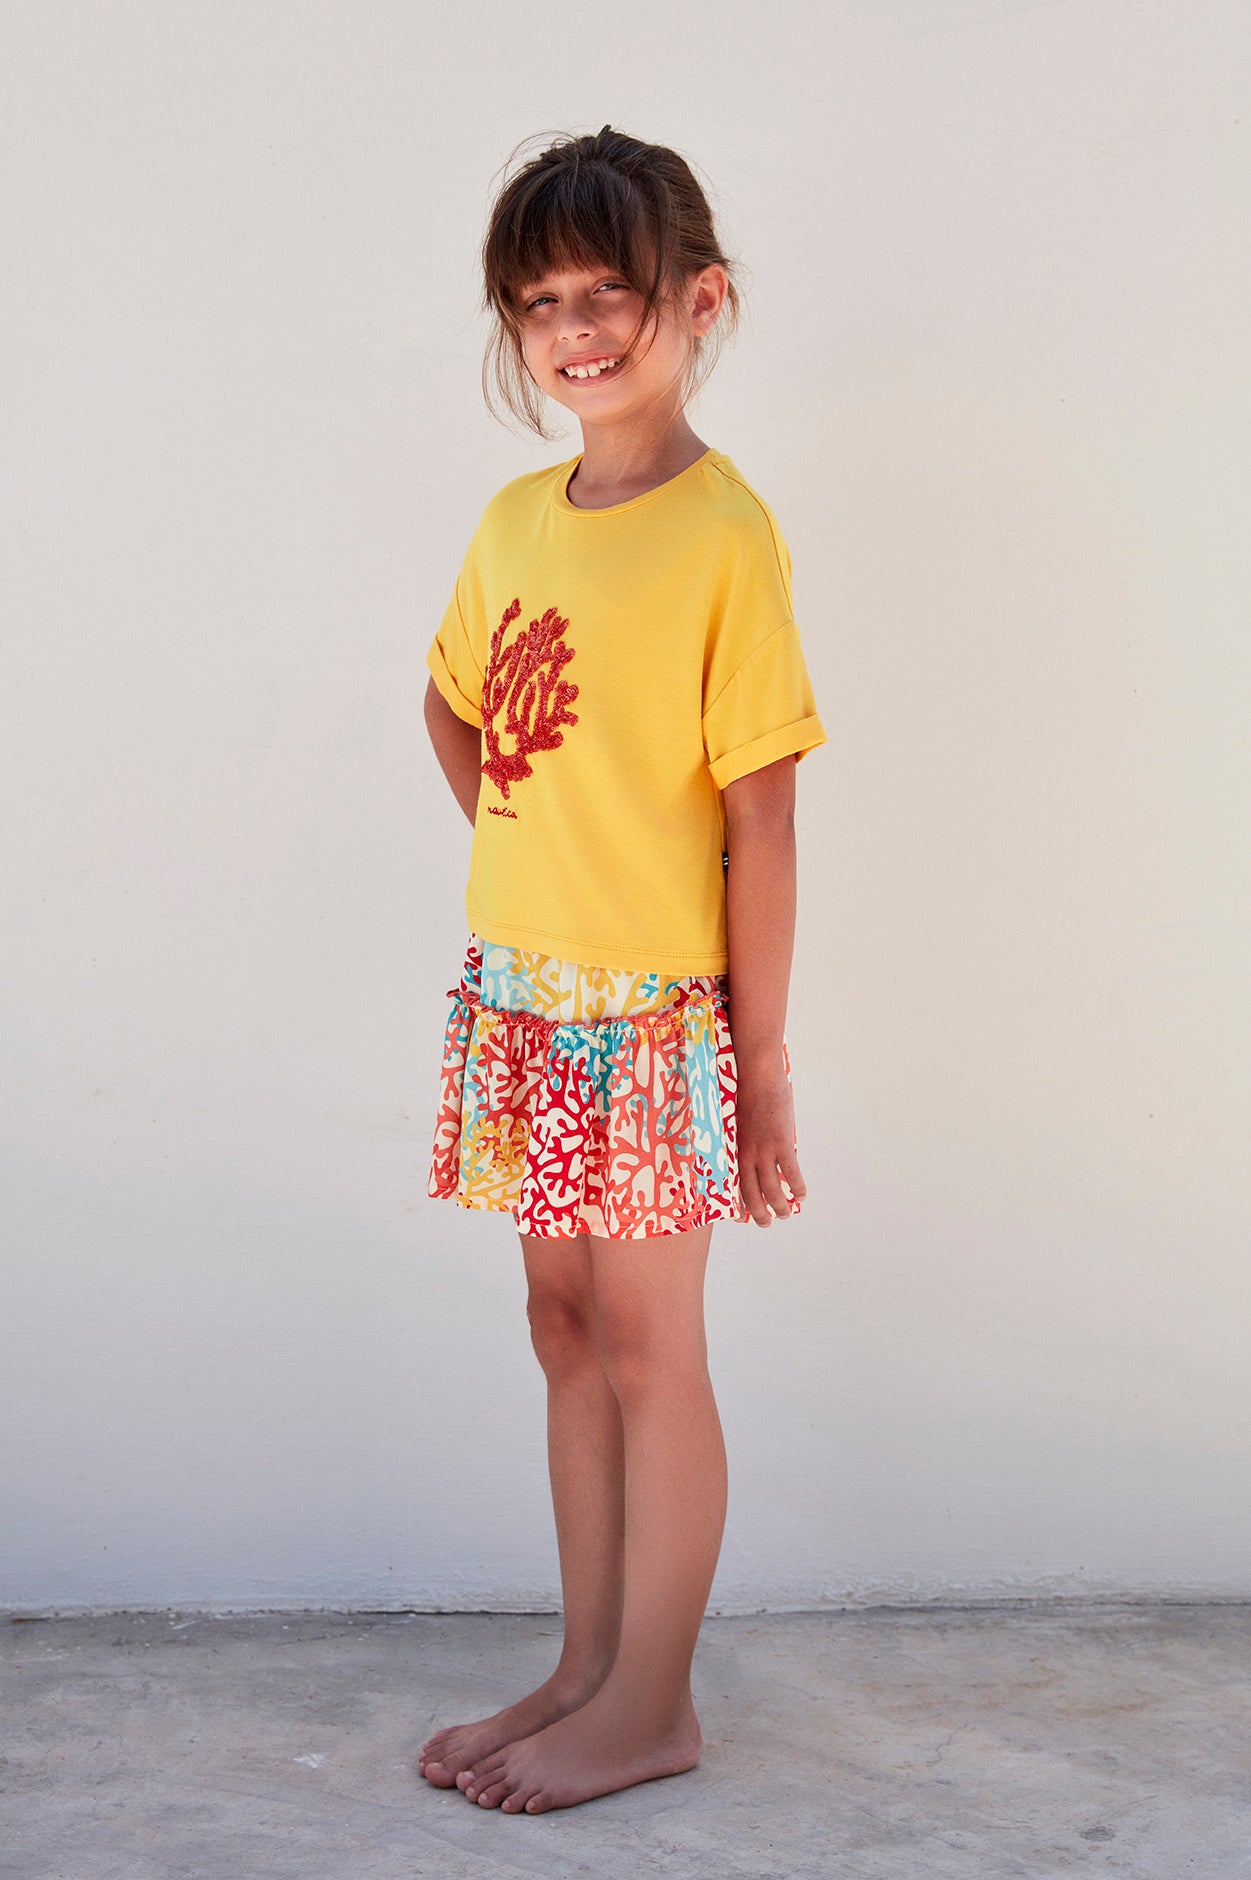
{"x":560,"y":496}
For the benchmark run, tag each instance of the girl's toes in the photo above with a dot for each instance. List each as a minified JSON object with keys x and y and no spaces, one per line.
{"x":437,"y":1774}
{"x":481,"y":1774}
{"x":493,"y":1794}
{"x":539,"y":1804}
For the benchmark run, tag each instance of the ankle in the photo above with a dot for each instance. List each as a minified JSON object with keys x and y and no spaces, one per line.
{"x":657,"y":1704}
{"x":577,"y":1679}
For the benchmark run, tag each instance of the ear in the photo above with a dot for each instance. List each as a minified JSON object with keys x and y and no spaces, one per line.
{"x":708,"y":291}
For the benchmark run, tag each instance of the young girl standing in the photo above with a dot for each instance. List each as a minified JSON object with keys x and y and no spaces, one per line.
{"x":618,"y":699}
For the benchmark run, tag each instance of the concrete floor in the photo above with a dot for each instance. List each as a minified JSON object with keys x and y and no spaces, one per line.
{"x":910,"y":1744}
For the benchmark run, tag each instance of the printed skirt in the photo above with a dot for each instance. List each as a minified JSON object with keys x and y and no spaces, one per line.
{"x":584,"y":1100}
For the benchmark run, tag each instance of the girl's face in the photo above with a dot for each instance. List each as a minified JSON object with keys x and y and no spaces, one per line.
{"x":585,"y":319}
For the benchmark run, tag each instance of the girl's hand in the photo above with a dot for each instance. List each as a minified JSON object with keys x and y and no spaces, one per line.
{"x":766,"y":1144}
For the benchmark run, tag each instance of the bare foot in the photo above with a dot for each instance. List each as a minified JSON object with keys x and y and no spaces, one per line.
{"x":443,"y":1756}
{"x":595,"y":1751}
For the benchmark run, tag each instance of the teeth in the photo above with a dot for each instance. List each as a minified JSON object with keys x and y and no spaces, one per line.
{"x":589,"y":372}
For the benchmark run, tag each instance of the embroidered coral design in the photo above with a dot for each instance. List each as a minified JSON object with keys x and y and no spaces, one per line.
{"x":523,"y":683}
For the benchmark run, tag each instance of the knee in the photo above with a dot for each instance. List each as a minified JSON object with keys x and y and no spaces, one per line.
{"x":561,"y":1331}
{"x":642,"y":1359}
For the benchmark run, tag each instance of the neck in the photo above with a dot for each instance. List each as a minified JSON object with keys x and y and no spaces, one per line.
{"x":620,"y":461}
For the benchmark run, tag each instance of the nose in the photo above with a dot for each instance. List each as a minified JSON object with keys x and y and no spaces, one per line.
{"x":578,"y":320}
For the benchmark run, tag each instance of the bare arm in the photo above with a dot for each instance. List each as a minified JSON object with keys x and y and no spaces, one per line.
{"x":458,"y":747}
{"x":760,"y":915}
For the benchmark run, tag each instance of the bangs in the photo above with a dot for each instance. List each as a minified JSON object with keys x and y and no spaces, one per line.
{"x":589,"y":218}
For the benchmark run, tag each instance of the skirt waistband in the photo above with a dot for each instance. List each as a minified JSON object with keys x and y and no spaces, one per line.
{"x":668,"y":1018}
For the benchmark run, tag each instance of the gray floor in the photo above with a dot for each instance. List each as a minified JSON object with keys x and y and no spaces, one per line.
{"x":1014,"y":1740}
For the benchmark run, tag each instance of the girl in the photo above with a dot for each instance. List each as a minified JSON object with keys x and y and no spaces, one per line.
{"x":618,"y":699}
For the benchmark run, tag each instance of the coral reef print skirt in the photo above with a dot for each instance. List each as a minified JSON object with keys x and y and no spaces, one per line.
{"x":583,"y":1100}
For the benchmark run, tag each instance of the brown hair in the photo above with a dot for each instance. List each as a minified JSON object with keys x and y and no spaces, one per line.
{"x":610,"y":201}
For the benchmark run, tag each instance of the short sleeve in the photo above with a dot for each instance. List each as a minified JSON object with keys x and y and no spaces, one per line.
{"x":452,"y":664}
{"x":764,"y":711}
{"x":758,"y":700}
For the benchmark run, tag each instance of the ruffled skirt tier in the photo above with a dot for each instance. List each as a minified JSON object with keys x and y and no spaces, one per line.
{"x":621,"y":1125}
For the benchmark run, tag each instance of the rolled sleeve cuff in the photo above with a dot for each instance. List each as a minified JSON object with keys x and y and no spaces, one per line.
{"x":464,"y":707}
{"x":789,"y":740}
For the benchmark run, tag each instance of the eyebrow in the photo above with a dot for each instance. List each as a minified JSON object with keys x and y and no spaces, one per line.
{"x":546,"y":280}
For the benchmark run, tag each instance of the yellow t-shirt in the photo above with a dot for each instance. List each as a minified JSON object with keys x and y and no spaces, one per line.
{"x":624,"y":665}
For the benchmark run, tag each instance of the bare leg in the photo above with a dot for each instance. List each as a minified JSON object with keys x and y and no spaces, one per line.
{"x":585,"y":1459}
{"x":641,"y":1723}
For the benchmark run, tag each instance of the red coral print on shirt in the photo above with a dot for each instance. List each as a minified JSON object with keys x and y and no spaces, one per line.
{"x":523,"y":682}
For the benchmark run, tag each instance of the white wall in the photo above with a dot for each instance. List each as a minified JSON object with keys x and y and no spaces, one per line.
{"x":996,"y":387}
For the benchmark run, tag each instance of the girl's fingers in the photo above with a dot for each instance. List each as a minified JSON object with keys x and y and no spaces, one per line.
{"x":753,"y":1201}
{"x":764,"y":1190}
{"x":792,"y":1175}
{"x":780,"y":1174}
{"x":774,"y":1193}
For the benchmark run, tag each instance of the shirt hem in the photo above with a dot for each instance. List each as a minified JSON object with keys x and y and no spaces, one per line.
{"x":607,"y":954}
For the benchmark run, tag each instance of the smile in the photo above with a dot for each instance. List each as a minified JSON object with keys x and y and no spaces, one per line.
{"x":596,"y":369}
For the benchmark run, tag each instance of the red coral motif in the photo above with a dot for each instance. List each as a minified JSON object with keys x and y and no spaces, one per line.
{"x":523,"y":681}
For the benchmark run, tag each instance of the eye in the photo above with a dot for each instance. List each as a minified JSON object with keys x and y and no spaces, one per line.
{"x":621,"y":286}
